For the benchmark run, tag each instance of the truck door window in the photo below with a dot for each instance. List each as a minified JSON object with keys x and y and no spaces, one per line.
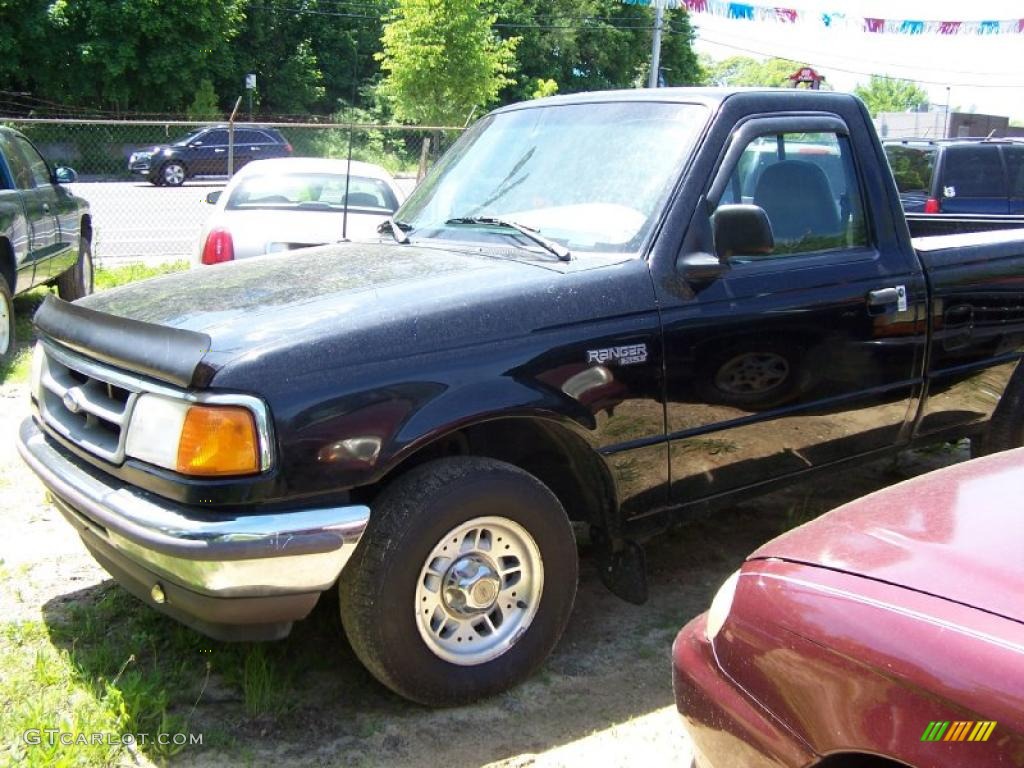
{"x":807,"y":184}
{"x":38,"y":172}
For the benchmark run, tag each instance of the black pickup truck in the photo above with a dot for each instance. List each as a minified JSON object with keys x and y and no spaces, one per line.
{"x":610,"y":309}
{"x":45,"y":231}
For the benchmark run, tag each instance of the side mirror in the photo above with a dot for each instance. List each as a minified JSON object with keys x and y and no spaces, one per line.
{"x":63,"y":175}
{"x":742,"y":230}
{"x":195,"y":144}
{"x":213,"y":197}
{"x":700,"y":267}
{"x":696,"y":264}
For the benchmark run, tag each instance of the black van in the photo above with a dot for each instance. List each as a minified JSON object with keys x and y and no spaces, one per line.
{"x":972,"y":176}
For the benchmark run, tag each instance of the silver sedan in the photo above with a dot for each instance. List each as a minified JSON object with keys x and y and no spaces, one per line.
{"x":289,"y":203}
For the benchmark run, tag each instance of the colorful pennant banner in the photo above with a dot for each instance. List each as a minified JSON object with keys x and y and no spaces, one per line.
{"x":748,"y":12}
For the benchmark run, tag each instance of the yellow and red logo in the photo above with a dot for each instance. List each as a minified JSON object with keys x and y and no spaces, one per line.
{"x":958,"y":730}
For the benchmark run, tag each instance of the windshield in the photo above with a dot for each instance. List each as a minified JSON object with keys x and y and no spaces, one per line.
{"x":313,"y":191}
{"x":589,"y":176}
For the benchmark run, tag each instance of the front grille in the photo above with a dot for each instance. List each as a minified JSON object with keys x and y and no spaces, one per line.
{"x":80,"y":401}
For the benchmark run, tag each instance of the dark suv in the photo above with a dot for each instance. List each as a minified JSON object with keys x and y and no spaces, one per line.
{"x":967,"y":176}
{"x":204,"y":152}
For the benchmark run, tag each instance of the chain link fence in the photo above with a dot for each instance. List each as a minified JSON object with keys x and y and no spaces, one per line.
{"x":136,"y":219}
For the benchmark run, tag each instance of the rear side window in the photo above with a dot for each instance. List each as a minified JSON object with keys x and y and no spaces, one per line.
{"x":973,"y":172}
{"x":912,"y":167}
{"x":252,"y":137}
{"x":1015,"y":167}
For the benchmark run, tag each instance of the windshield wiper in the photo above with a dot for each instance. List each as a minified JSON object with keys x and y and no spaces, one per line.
{"x":398,"y":229}
{"x":563,"y":253}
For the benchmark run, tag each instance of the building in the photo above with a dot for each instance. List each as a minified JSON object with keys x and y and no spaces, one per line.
{"x":938,"y":124}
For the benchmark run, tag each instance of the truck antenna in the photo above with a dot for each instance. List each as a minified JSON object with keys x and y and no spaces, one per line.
{"x":348,"y":166}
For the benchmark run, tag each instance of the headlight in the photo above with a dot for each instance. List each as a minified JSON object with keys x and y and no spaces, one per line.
{"x":194,"y":438}
{"x":721,"y":605}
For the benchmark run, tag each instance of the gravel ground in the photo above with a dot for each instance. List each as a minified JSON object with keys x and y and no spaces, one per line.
{"x":604,"y":698}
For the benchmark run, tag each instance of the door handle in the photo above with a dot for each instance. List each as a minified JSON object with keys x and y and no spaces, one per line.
{"x":882,"y":297}
{"x":220,"y":150}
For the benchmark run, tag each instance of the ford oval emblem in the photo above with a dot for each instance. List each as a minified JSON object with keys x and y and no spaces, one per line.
{"x":71,"y":401}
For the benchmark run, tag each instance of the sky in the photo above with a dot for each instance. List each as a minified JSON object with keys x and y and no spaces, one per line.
{"x":984,"y":73}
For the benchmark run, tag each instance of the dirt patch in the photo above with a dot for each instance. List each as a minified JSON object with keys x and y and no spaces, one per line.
{"x":603,"y":698}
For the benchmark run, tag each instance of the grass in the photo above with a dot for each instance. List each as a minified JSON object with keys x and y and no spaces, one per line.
{"x":103,"y":663}
{"x":18,"y":369}
{"x":112,"y":277}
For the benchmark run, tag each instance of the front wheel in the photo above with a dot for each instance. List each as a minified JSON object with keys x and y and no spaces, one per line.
{"x":463,"y":582}
{"x":173,"y":174}
{"x":78,"y":281}
{"x":7,"y":338}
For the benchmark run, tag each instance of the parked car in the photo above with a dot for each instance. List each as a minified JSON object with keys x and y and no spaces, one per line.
{"x":959,"y":176}
{"x":888,"y":632}
{"x":204,"y":152}
{"x":282,"y":205}
{"x":45,"y":231}
{"x":537,"y":338}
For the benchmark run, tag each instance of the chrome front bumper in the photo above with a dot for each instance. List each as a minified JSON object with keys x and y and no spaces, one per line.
{"x":216,"y":555}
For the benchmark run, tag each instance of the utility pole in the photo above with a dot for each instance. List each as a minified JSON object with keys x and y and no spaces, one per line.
{"x":659,"y":19}
{"x":945,"y":130}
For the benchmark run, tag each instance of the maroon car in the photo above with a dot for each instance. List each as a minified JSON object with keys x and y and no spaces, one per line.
{"x":890,"y":631}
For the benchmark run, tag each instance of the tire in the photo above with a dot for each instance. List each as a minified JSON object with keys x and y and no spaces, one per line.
{"x":173,"y":173}
{"x":1006,"y":429}
{"x":78,"y":281}
{"x":7,"y":337}
{"x":391,"y":592}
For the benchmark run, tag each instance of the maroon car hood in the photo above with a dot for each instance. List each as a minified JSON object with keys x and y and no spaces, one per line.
{"x":957,"y":533}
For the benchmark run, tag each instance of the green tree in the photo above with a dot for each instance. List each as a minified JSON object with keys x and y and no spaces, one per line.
{"x":204,"y":105}
{"x":544,"y":88}
{"x":745,"y":71}
{"x":588,"y":45}
{"x":304,"y":57}
{"x":442,"y":59}
{"x":138,"y":55}
{"x":25,"y":30}
{"x":889,"y":94}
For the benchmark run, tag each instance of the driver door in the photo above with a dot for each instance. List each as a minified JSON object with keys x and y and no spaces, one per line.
{"x":802,"y":356}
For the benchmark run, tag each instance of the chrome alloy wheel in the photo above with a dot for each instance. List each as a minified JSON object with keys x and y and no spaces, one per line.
{"x":87,"y":276}
{"x":174,"y":174}
{"x":5,"y":326}
{"x":479,"y":590}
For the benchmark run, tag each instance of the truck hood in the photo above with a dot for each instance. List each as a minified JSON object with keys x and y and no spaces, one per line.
{"x":288,"y":290}
{"x":337,"y":305}
{"x":955,"y":534}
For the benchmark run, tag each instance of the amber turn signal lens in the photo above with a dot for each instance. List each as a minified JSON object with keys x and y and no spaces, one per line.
{"x":218,"y":440}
